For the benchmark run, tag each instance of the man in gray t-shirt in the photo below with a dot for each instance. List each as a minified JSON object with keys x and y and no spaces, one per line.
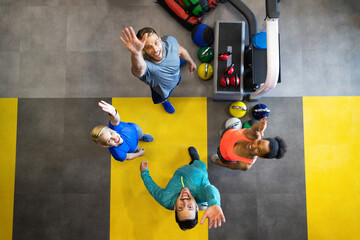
{"x":156,"y":61}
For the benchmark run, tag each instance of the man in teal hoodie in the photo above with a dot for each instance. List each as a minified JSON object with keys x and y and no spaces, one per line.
{"x":187,"y":189}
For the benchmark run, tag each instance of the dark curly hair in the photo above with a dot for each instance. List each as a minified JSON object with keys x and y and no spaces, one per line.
{"x":187,"y":224}
{"x":277,"y":148}
{"x":144,"y":30}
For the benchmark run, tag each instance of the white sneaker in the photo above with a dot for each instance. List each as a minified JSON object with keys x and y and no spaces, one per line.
{"x":221,"y":132}
{"x":214,"y":157}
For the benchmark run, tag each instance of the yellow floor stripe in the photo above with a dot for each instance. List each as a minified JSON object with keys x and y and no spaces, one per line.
{"x":134,"y":214}
{"x":8,"y":119}
{"x":332,"y":167}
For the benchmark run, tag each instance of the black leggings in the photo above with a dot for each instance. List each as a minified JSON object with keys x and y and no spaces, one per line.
{"x":222,"y":159}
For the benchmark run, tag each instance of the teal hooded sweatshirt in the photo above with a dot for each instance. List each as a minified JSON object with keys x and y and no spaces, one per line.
{"x":195,"y":177}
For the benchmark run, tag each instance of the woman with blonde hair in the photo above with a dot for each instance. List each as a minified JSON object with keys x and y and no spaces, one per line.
{"x":120,"y":137}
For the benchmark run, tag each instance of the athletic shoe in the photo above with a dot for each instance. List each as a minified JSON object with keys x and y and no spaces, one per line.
{"x":221,"y":132}
{"x":193,"y":154}
{"x":214,"y":157}
{"x":168,"y":107}
{"x":147,"y":138}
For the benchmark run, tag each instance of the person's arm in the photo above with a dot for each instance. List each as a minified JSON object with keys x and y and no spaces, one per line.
{"x":257,"y":130}
{"x":130,"y":156}
{"x":113,"y":114}
{"x":158,"y":193}
{"x":135,"y":46}
{"x":214,"y":212}
{"x":211,"y":194}
{"x":183,"y":54}
{"x":138,"y":64}
{"x":235,"y":166}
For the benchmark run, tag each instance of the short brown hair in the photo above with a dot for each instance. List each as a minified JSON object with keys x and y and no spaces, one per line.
{"x":144,"y":30}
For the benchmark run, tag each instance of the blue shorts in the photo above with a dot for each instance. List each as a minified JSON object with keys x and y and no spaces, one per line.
{"x":157,"y":98}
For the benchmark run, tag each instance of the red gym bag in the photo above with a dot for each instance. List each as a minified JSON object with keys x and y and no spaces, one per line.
{"x":178,"y":11}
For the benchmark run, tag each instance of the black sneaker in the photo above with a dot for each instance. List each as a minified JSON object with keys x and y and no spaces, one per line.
{"x":193,"y":154}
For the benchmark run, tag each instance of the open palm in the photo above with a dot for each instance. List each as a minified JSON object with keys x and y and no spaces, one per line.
{"x":133,"y":44}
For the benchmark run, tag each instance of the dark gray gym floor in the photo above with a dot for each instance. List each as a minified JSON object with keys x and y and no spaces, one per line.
{"x":63,"y":48}
{"x":269,"y":200}
{"x":61,"y":56}
{"x":62,"y":182}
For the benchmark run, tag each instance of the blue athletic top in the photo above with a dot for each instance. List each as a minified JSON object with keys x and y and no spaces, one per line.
{"x":164,"y":76}
{"x":129,"y":134}
{"x":195,"y":177}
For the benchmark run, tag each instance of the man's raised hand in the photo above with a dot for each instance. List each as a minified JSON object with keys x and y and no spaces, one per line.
{"x":133,"y":44}
{"x":215,"y":216}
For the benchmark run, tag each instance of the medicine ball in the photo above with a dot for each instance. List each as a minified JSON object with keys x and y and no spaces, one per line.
{"x":249,"y":123}
{"x":238,"y":109}
{"x":202,"y":35}
{"x":260,"y":110}
{"x":205,"y":71}
{"x":205,"y":54}
{"x":234,"y":123}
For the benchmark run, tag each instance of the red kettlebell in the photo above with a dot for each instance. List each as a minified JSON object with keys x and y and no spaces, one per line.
{"x":225,"y":81}
{"x":235,"y":80}
{"x":224,"y":56}
{"x":229,"y":70}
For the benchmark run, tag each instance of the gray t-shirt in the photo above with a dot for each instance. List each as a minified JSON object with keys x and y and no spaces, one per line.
{"x":164,"y":76}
